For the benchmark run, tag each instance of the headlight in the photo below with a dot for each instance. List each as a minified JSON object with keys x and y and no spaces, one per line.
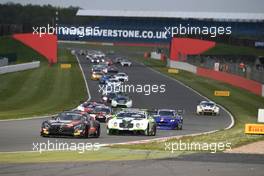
{"x":172,"y":120}
{"x":45,"y":125}
{"x":115,"y":124}
{"x":137,"y":125}
{"x":105,"y":98}
{"x":103,"y":60}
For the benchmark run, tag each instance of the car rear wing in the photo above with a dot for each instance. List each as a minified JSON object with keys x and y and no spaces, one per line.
{"x":152,"y":112}
{"x":180,"y":111}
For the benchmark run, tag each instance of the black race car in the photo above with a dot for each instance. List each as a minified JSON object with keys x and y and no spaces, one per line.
{"x":71,"y":123}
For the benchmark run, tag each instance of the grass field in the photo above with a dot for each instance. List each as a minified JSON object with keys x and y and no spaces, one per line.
{"x":42,"y":91}
{"x":222,"y":49}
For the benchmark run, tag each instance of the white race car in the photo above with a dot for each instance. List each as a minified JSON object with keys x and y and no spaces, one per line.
{"x":121,"y":76}
{"x":125,"y":62}
{"x":121,"y":101}
{"x":207,"y":108}
{"x":135,"y":120}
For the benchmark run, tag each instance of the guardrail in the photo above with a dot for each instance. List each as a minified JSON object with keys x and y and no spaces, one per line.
{"x":237,"y":81}
{"x":19,"y":67}
{"x":3,"y":62}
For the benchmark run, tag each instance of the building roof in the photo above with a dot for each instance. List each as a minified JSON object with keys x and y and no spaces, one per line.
{"x":222,"y":16}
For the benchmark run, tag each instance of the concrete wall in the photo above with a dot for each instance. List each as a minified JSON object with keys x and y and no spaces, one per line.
{"x":3,"y":62}
{"x":19,"y":67}
{"x":183,"y":66}
{"x":237,"y":81}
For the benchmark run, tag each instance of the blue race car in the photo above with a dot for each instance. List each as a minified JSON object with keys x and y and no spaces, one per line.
{"x":168,"y":119}
{"x":104,"y":78}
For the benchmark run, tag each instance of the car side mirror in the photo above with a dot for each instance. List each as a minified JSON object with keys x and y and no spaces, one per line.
{"x":53,"y":117}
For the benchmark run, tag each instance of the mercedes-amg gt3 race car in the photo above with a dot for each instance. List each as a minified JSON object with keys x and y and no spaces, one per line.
{"x":207,"y":108}
{"x":169,"y":119}
{"x":72,"y":123}
{"x":134,"y":120}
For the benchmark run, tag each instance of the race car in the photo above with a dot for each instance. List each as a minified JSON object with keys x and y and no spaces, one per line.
{"x":113,"y":82}
{"x":96,"y":75}
{"x":71,"y":123}
{"x":207,"y":108}
{"x":101,"y":113}
{"x":112,"y":70}
{"x":134,"y":120}
{"x":117,"y":60}
{"x":108,"y":61}
{"x":88,"y":106}
{"x":169,"y":119}
{"x":100,"y":67}
{"x":125,"y":62}
{"x":107,"y":98}
{"x":121,"y":100}
{"x":121,"y":76}
{"x":104,"y":78}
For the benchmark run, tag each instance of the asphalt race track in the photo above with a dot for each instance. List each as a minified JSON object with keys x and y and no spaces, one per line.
{"x":20,"y":135}
{"x":218,"y":164}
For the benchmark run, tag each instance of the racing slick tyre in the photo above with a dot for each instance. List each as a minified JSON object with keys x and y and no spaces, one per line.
{"x":146,"y":132}
{"x":179,"y":127}
{"x":86,"y":134}
{"x":110,"y":131}
{"x":98,"y":132}
{"x":154,"y":131}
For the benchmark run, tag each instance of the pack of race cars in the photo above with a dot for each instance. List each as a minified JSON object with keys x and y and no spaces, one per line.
{"x":115,"y":107}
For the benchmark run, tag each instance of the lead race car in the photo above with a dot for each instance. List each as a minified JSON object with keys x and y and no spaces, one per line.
{"x":137,"y":121}
{"x":169,"y":119}
{"x":207,"y":108}
{"x":71,"y":123}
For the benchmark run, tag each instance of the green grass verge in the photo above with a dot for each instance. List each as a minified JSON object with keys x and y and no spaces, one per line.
{"x":42,"y":91}
{"x":222,"y":49}
{"x":103,"y":154}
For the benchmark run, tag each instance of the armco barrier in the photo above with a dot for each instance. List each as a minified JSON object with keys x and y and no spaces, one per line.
{"x":262,"y":90}
{"x":183,"y":66}
{"x":19,"y":67}
{"x":238,"y":81}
